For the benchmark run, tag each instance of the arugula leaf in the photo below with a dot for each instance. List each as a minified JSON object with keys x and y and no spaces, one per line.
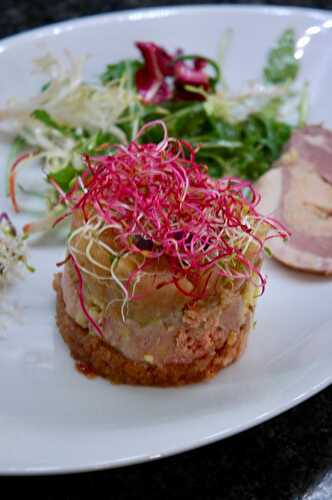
{"x":189,"y":121}
{"x":91,"y":145}
{"x":45,"y":118}
{"x":64,"y":177}
{"x":263,"y":139}
{"x":119,"y":70}
{"x":245,"y":149}
{"x":281,"y":66}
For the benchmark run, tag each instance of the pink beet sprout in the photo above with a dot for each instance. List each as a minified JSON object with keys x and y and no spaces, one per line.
{"x":162,"y":204}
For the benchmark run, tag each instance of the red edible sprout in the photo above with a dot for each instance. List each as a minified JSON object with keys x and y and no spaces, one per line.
{"x":162,"y":204}
{"x":12,"y":192}
{"x":81,"y":297}
{"x":151,"y":79}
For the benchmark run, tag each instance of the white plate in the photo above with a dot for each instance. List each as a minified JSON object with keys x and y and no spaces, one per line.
{"x":52,"y":419}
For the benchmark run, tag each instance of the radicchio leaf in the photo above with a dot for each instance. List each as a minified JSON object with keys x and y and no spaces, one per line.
{"x":152,"y":80}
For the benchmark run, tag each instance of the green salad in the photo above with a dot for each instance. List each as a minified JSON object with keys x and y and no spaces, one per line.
{"x":235,"y":134}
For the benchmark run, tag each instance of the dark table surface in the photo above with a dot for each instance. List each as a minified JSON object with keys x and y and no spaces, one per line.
{"x":289,"y":457}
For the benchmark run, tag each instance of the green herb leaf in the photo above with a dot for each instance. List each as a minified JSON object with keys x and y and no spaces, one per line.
{"x":45,"y":86}
{"x":267,"y":251}
{"x":245,"y":149}
{"x":64,"y":177}
{"x":45,"y":118}
{"x":190,"y":120}
{"x":31,"y":269}
{"x":282,"y":67}
{"x":91,"y":145}
{"x":127,"y":67}
{"x":262,"y":141}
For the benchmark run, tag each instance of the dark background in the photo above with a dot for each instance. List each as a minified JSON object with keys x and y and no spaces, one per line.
{"x":289,"y":457}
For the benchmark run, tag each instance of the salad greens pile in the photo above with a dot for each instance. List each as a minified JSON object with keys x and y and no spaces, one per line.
{"x":239,"y":135}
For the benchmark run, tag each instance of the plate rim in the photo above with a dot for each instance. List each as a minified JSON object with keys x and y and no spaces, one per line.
{"x":206,"y":441}
{"x":129,"y":15}
{"x":154,"y":12}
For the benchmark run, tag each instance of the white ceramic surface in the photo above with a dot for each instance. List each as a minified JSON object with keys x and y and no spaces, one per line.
{"x":52,"y":419}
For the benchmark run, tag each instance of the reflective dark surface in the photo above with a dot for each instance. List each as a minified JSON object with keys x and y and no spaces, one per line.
{"x":289,"y":457}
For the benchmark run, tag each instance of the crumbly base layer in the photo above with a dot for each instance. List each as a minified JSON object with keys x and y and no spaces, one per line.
{"x":111,"y":364}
